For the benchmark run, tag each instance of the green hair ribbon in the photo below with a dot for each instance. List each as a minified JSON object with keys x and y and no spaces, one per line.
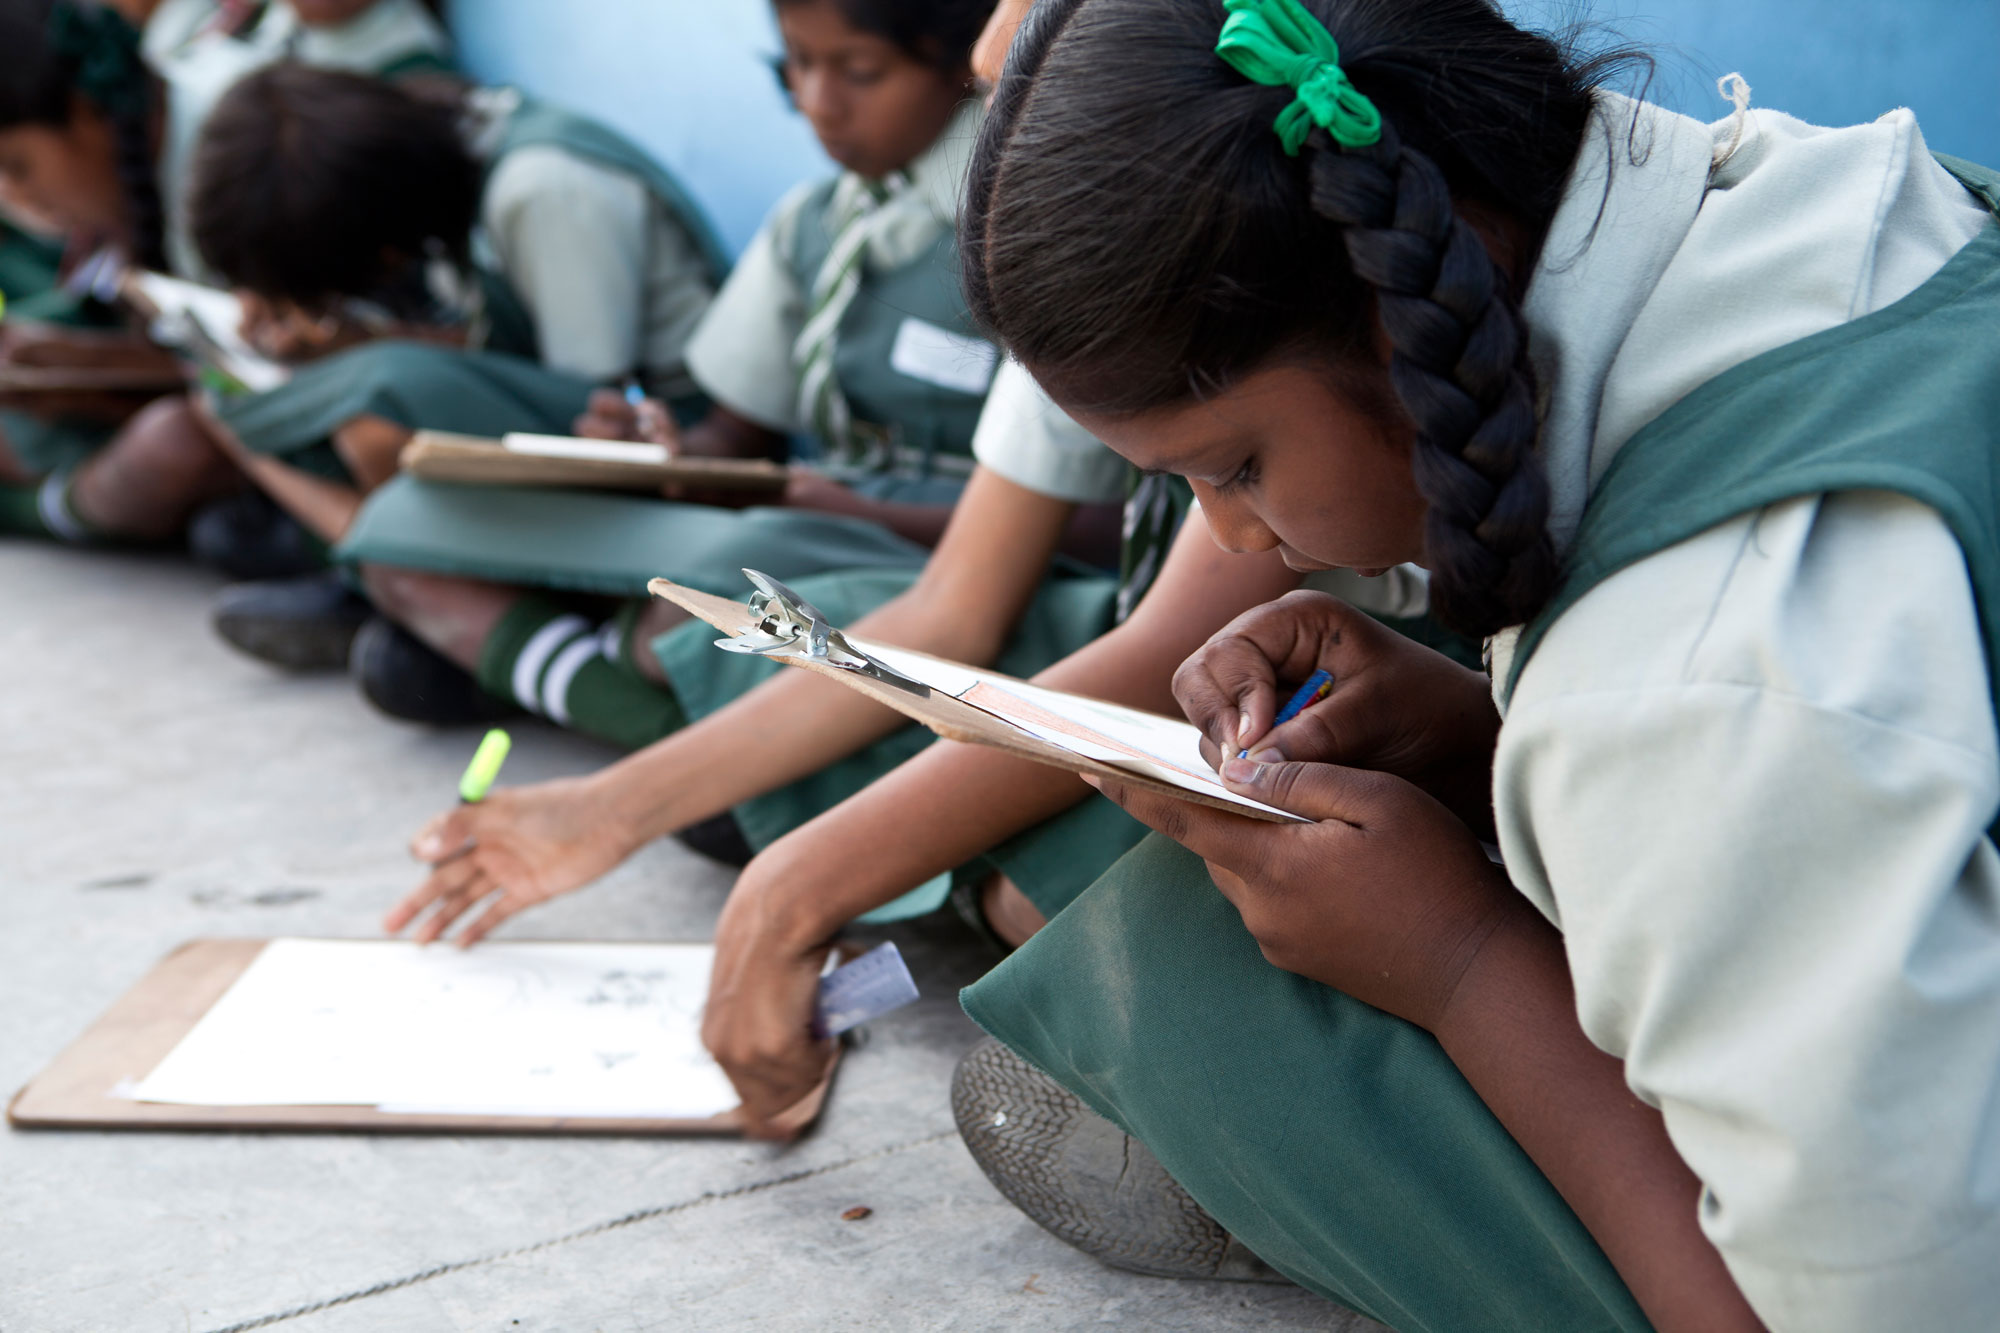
{"x":105,"y":51}
{"x":1279,"y":44}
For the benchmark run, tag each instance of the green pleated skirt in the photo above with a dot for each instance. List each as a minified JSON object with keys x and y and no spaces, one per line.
{"x":423,"y":386}
{"x":597,"y":542}
{"x":1338,"y":1143}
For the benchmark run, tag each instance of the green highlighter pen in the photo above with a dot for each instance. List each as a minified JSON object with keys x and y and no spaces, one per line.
{"x":485,"y":766}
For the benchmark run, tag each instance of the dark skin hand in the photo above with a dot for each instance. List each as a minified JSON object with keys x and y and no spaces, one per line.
{"x":1397,"y":707}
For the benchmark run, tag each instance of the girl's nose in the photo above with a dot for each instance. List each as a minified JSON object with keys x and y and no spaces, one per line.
{"x":817,"y":98}
{"x":1234,"y":524}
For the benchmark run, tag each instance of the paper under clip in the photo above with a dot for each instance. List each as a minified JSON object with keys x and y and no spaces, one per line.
{"x":788,"y":622}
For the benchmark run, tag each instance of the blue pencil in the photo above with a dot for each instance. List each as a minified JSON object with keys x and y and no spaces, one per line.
{"x":1318,"y":685}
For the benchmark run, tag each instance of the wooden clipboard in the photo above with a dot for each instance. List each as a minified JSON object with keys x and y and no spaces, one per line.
{"x":78,"y":1089}
{"x":949,"y":717}
{"x":471,"y":460}
{"x":23,"y":380}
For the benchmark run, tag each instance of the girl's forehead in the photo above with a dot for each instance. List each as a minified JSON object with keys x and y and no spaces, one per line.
{"x":822,"y":25}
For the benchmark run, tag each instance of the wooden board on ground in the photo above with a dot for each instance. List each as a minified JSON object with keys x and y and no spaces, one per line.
{"x":83,"y":1088}
{"x":955,"y":719}
{"x":471,"y":460}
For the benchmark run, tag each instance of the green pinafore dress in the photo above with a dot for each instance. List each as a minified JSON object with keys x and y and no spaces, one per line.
{"x":1341,"y":1144}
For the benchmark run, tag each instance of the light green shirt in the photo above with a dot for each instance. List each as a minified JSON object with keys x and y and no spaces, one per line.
{"x":1750,"y":777}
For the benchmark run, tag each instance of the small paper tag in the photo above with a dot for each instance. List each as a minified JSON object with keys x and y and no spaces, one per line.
{"x":869,"y":987}
{"x":939,"y":356}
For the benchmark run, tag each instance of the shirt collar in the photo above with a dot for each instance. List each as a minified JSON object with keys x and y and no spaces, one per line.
{"x":1606,"y":250}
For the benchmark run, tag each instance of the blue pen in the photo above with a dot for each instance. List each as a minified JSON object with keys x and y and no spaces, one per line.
{"x":635,"y":392}
{"x":1318,"y":685}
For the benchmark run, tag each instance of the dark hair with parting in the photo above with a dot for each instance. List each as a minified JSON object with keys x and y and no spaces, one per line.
{"x":939,"y":33}
{"x":52,"y":51}
{"x":1136,"y":234}
{"x":312,"y":184}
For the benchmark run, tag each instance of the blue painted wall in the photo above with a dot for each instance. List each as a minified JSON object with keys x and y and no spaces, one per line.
{"x":1832,"y":62}
{"x":688,"y":78}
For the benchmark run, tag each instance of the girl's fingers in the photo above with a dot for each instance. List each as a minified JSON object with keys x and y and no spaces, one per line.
{"x":1211,"y":834}
{"x":447,"y":879}
{"x":1321,"y":792}
{"x":453,"y":906}
{"x":446,"y":836}
{"x":506,"y":905}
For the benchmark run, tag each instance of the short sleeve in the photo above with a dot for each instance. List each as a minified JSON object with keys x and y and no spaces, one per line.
{"x":1027,"y":439}
{"x":571,"y":240}
{"x":741,"y":355}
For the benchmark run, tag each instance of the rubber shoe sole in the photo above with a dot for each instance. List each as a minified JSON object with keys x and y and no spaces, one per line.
{"x":298,"y":625}
{"x":1084,"y":1180}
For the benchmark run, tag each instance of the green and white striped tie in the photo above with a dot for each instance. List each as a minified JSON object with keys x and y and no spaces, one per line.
{"x":863,"y":213}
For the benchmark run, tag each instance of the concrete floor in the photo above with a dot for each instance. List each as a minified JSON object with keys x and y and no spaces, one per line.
{"x":155,"y":788}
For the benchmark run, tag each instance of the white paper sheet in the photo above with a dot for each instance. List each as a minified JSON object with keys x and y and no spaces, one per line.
{"x":601,"y":451}
{"x":216,"y":318}
{"x":1165,"y":749}
{"x":500,"y":1029}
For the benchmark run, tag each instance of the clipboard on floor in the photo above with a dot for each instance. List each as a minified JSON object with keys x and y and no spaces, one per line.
{"x":973,"y":704}
{"x":563,"y":461}
{"x":91,"y":1085}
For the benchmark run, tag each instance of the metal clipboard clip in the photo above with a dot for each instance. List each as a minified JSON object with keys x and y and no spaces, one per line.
{"x":787,"y":622}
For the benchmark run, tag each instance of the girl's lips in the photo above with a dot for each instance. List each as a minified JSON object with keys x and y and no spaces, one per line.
{"x":1301,"y":564}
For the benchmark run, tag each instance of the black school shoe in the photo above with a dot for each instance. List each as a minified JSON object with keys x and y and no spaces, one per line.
{"x":405,"y":678}
{"x":302,"y":624}
{"x":246,"y":536}
{"x":1084,"y":1180}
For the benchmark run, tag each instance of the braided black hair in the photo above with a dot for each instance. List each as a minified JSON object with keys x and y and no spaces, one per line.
{"x":1136,"y":234}
{"x":52,"y":50}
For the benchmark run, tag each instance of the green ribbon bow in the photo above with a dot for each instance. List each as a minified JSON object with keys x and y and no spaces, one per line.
{"x":1279,"y":44}
{"x":105,"y":50}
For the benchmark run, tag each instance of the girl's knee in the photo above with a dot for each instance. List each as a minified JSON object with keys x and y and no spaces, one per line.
{"x":372,"y":449}
{"x":166,"y":442}
{"x":1008,"y":911}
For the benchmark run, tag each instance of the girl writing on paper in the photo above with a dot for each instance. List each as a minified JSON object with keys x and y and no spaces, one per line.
{"x":430,"y":258}
{"x":1698,"y":424}
{"x":79,"y":67}
{"x":843,"y":323}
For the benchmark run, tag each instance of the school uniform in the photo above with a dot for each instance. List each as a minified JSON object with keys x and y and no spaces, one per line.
{"x":843,"y":326}
{"x":602,"y":265}
{"x":1748,"y":766}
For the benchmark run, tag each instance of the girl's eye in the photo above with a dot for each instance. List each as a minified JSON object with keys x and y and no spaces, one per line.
{"x":863,"y":76}
{"x":1244,"y":476}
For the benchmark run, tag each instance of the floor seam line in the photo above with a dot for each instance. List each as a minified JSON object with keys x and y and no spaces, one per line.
{"x":583,"y":1233}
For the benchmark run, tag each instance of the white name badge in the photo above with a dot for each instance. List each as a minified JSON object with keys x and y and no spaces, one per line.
{"x":939,"y":356}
